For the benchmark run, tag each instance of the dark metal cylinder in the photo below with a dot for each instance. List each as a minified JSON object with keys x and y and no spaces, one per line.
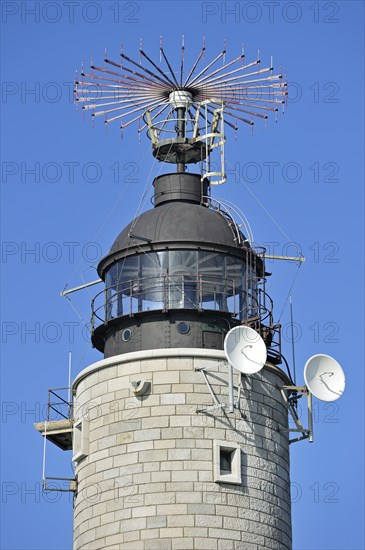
{"x":174,"y":187}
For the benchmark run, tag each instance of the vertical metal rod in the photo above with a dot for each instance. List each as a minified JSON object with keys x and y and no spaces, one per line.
{"x":180,"y":131}
{"x":69,"y":381}
{"x":292,"y":336}
{"x":310,"y":417}
{"x":207,"y":158}
{"x":230,"y":388}
{"x":44,"y":455}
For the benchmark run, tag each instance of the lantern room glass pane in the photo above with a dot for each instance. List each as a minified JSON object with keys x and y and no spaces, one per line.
{"x":181,"y":279}
{"x":153,"y":271}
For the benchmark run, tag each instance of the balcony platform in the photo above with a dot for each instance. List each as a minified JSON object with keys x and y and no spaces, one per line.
{"x":58,"y":432}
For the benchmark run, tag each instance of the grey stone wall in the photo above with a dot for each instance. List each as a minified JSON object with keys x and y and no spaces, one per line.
{"x":147,"y":480}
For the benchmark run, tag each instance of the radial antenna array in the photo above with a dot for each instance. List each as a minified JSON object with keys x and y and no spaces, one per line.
{"x":184,"y":111}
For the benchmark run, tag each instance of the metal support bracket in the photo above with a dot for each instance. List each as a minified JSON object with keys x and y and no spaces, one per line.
{"x":69,"y":484}
{"x":290,"y":401}
{"x":217,"y":405}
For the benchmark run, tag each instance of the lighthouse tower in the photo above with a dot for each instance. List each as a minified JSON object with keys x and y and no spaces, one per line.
{"x":168,"y":465}
{"x":164,"y":459}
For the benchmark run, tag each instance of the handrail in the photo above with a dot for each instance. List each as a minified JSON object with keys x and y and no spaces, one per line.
{"x":223,"y":208}
{"x":180,"y":291}
{"x":57,"y":405}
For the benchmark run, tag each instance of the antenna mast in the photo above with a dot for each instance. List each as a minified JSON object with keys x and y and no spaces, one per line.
{"x":185,"y":118}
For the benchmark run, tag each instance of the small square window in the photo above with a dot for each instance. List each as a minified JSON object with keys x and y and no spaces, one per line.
{"x":225,"y":458}
{"x":227,"y":462}
{"x":80,"y":440}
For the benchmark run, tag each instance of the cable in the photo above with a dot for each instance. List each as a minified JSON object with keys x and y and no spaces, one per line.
{"x":290,"y":289}
{"x":264,"y":208}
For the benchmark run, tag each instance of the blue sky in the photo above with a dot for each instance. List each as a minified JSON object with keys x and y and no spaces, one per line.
{"x":68,"y":189}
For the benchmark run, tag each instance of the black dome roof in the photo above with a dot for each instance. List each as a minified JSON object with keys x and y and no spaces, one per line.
{"x":178,"y":222}
{"x":178,"y":219}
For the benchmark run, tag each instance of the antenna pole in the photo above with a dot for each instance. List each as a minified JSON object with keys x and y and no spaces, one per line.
{"x":292,"y":336}
{"x":44,"y":456}
{"x":180,"y":133}
{"x":310,"y":417}
{"x":69,"y":381}
{"x":230,"y":388}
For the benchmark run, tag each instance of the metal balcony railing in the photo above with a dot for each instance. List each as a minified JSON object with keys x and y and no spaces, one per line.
{"x":181,"y":291}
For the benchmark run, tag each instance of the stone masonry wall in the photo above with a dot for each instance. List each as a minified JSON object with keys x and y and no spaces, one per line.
{"x":147,"y":481}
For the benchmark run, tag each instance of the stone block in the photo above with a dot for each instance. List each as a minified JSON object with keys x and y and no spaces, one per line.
{"x":180,"y":364}
{"x":236,"y":524}
{"x":179,"y":420}
{"x":185,"y":443}
{"x":123,"y":438}
{"x":151,"y":467}
{"x":164,"y":410}
{"x":224,"y":534}
{"x":178,"y":454}
{"x":205,"y":544}
{"x":140,"y":446}
{"x":160,"y":498}
{"x":121,"y":427}
{"x":125,"y":460}
{"x":192,"y":432}
{"x":180,"y":486}
{"x":172,"y":433}
{"x":143,"y":511}
{"x":184,"y":476}
{"x":149,"y":534}
{"x":106,"y":530}
{"x":184,"y":388}
{"x":171,"y":509}
{"x":197,"y":465}
{"x":185,"y":543}
{"x":133,"y":524}
{"x":151,"y":400}
{"x":161,"y":389}
{"x":105,"y":464}
{"x":141,"y":479}
{"x":153,"y":455}
{"x":126,"y":369}
{"x":157,"y":544}
{"x":202,"y":454}
{"x":195,"y":532}
{"x":171,"y":532}
{"x":168,"y":444}
{"x":201,"y":509}
{"x":229,"y":511}
{"x":109,"y":441}
{"x":147,"y":434}
{"x":155,"y":422}
{"x":161,"y":476}
{"x":188,"y":497}
{"x":169,"y":377}
{"x":152,"y":488}
{"x":129,"y":545}
{"x":156,"y":522}
{"x":122,"y":514}
{"x":208,"y":521}
{"x":173,"y":399}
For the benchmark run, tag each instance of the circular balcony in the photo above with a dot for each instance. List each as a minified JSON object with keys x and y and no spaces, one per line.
{"x":179,"y":291}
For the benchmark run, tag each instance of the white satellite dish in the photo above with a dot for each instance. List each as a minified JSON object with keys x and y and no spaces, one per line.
{"x":324,"y":377}
{"x":245,"y":349}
